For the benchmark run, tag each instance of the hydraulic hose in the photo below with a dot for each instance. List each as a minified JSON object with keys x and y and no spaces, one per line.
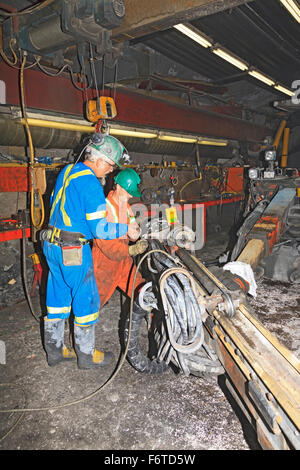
{"x":37,"y":225}
{"x":135,"y":356}
{"x":136,"y":314}
{"x":247,"y":226}
{"x":184,"y":315}
{"x":25,"y":276}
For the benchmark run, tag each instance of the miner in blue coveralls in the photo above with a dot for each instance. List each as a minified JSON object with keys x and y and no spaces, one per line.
{"x":77,"y":215}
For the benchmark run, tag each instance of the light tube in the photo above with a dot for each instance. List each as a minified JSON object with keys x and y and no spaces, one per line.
{"x":284,"y":90}
{"x":193,"y":35}
{"x":178,"y":138}
{"x":293,"y":8}
{"x":232,"y":60}
{"x":217,"y":143}
{"x":133,"y":133}
{"x":261,"y":77}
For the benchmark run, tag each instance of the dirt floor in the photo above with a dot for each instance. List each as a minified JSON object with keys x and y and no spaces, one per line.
{"x":132,"y":411}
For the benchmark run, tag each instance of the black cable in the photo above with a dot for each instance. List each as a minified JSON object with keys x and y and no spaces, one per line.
{"x":25,"y":276}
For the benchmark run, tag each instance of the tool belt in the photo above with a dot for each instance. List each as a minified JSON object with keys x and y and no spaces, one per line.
{"x":62,"y":237}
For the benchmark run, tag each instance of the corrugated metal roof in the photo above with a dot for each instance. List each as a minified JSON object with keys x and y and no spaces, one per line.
{"x":262,"y":33}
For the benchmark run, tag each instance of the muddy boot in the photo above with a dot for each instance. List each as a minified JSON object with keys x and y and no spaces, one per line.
{"x":54,"y":342}
{"x":87,"y":356}
{"x":135,"y":355}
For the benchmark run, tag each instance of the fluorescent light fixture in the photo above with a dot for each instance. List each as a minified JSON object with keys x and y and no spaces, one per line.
{"x":193,"y":34}
{"x":139,"y":133}
{"x":293,"y":8}
{"x":285,"y":90}
{"x":230,"y":58}
{"x":178,"y":138}
{"x":217,"y":143}
{"x":57,"y":125}
{"x":261,"y":77}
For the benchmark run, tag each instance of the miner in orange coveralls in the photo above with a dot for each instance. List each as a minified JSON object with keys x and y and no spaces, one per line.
{"x":113,"y":263}
{"x":114,"y":267}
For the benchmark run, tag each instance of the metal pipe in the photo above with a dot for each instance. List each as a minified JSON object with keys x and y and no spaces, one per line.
{"x":279,"y":134}
{"x":285,"y":148}
{"x":56,"y":125}
{"x":187,"y":184}
{"x":15,"y":135}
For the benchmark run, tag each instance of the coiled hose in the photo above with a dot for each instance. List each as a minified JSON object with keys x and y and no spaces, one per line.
{"x":135,"y":356}
{"x":184,"y":332}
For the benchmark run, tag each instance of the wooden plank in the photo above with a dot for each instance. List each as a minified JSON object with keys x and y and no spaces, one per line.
{"x":277,"y":374}
{"x":252,"y":253}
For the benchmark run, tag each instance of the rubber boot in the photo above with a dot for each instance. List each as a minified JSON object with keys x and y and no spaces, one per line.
{"x":54,"y":342}
{"x":135,"y":355}
{"x":87,"y":356}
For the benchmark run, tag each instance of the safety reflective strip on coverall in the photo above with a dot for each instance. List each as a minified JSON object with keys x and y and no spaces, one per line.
{"x":112,"y":273}
{"x":114,"y":213}
{"x":64,"y":311}
{"x":66,"y":218}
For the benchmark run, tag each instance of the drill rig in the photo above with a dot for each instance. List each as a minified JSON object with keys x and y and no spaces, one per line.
{"x":201,"y":324}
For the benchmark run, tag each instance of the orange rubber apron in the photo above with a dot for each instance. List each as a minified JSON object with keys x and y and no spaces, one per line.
{"x":113,"y":266}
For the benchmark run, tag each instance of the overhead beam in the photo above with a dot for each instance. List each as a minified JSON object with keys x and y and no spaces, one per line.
{"x":144,"y":17}
{"x":57,"y":94}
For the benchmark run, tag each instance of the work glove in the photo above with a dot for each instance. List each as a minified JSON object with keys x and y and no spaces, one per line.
{"x":134,"y":231}
{"x":138,"y":248}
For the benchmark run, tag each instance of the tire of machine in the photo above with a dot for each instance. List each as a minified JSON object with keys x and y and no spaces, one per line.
{"x":135,"y":356}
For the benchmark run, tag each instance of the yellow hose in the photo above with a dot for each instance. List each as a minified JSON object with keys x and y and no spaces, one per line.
{"x":37,"y":225}
{"x":279,"y":133}
{"x":285,"y":147}
{"x":186,"y":184}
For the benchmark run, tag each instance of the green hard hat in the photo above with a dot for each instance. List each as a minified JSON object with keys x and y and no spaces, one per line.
{"x":111,"y":148}
{"x":129,"y":180}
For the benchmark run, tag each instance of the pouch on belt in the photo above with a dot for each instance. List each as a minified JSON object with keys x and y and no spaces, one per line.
{"x":72,"y":255}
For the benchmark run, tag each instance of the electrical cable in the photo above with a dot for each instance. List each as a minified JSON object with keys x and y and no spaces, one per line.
{"x":37,"y":225}
{"x":29,"y":10}
{"x":183,"y":313}
{"x":18,"y":419}
{"x":94,"y":74}
{"x":56,"y":74}
{"x":25,"y":276}
{"x":247,"y":225}
{"x":116,"y":371}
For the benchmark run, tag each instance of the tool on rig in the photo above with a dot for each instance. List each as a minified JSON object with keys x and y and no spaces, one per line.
{"x":201,"y":324}
{"x":271,"y":229}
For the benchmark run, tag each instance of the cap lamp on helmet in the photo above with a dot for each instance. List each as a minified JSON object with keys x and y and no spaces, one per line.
{"x":110,"y":147}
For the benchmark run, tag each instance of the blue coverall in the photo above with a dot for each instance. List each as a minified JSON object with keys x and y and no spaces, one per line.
{"x":77,"y":205}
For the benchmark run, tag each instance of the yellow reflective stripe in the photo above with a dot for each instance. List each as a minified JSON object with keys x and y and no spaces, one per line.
{"x":95,"y":215}
{"x":58,"y":196}
{"x":66,"y":218}
{"x":86,"y":318}
{"x":130,"y":217}
{"x":58,"y":309}
{"x":114,"y":212}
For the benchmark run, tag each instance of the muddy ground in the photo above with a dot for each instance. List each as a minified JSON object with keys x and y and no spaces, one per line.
{"x":132,"y":411}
